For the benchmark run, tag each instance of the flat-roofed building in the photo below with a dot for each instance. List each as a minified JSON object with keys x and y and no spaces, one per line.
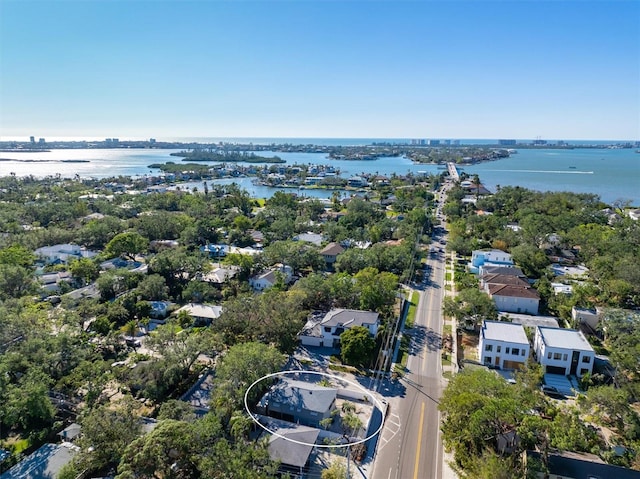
{"x":563,"y":351}
{"x":503,"y":345}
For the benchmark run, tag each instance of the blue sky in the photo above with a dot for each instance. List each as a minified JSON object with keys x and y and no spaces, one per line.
{"x":359,"y":69}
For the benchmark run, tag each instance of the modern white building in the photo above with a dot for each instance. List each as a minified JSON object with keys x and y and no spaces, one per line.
{"x":494,"y":257}
{"x":324,"y":330}
{"x":503,"y":345}
{"x":563,"y":351}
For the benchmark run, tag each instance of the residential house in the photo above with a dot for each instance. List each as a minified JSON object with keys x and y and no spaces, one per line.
{"x":291,"y":445}
{"x":357,"y":182}
{"x":220,"y":274}
{"x":494,"y":257}
{"x":502,"y":270}
{"x":563,"y":351}
{"x":45,"y":462}
{"x":561,"y":288}
{"x":71,"y":432}
{"x":310,"y":237}
{"x":202,"y":314}
{"x":572,"y":465}
{"x":299,"y":402}
{"x":51,"y":281}
{"x":268,"y":278}
{"x":584,"y":317}
{"x":120,"y":263}
{"x":503,"y":345}
{"x":215,"y":250}
{"x":63,"y":253}
{"x":199,"y":394}
{"x":330,"y":253}
{"x":514,"y":299}
{"x":505,"y":279}
{"x":324,"y":330}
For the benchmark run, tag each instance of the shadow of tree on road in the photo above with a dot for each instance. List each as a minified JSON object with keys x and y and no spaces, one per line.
{"x":424,"y":337}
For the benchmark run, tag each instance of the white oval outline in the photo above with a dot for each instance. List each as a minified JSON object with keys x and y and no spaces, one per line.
{"x":378,"y":404}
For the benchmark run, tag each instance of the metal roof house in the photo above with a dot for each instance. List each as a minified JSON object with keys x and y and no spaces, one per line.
{"x":299,"y":402}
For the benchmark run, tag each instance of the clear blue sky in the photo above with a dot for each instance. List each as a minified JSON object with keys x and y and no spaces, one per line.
{"x":359,"y":69}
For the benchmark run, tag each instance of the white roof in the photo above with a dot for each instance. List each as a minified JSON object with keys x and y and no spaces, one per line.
{"x":202,"y":310}
{"x":503,"y":331}
{"x":565,"y":339}
{"x":529,"y":320}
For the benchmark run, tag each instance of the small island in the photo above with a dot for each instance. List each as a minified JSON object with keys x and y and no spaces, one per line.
{"x":225,"y":156}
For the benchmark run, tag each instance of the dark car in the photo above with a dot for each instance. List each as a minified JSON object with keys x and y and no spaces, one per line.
{"x":552,"y":392}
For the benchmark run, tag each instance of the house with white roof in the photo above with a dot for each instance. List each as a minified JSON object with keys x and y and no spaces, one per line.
{"x":202,"y":313}
{"x":503,"y":345}
{"x":324,"y":330}
{"x":494,"y":257}
{"x":563,"y":351}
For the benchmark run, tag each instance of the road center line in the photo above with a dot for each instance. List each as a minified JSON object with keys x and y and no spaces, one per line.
{"x":415,"y":470}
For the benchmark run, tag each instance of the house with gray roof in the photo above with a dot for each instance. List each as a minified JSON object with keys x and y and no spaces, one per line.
{"x":324,"y":329}
{"x":563,"y":351}
{"x":572,"y":465}
{"x":330,"y":253}
{"x":44,"y":463}
{"x":292,"y":456}
{"x":298,"y":402}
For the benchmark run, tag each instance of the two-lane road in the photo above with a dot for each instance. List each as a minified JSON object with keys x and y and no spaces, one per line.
{"x":409,"y":446}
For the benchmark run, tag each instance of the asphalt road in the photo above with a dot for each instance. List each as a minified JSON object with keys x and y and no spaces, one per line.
{"x":410,"y":446}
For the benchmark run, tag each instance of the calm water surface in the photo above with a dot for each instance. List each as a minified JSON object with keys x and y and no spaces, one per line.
{"x":613,"y":174}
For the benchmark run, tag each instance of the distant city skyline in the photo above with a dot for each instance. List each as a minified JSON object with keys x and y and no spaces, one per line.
{"x":558,"y":70}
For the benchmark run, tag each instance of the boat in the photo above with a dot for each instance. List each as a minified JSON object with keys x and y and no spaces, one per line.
{"x":572,"y":167}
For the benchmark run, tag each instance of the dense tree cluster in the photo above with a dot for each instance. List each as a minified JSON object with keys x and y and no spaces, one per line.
{"x":67,"y":359}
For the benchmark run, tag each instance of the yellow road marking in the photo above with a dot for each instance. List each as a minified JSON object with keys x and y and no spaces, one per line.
{"x":415,"y":470}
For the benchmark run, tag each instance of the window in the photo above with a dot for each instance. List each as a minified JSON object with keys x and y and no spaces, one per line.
{"x":583,"y":372}
{"x":498,"y":348}
{"x":586,"y":359}
{"x":549,"y":356}
{"x":515,"y":351}
{"x":488,"y":347}
{"x":507,"y":350}
{"x":327,"y":329}
{"x":487,"y":359}
{"x":557,"y":356}
{"x":522,"y":353}
{"x":564,"y":357}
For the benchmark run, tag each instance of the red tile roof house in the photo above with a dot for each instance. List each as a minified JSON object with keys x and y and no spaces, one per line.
{"x":514,"y":299}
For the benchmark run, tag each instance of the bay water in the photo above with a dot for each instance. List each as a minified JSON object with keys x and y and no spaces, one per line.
{"x":613,"y":174}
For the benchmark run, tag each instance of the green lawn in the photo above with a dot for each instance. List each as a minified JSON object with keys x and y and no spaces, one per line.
{"x":411,"y":314}
{"x":447,"y":276}
{"x":403,"y":354}
{"x":446,"y":329}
